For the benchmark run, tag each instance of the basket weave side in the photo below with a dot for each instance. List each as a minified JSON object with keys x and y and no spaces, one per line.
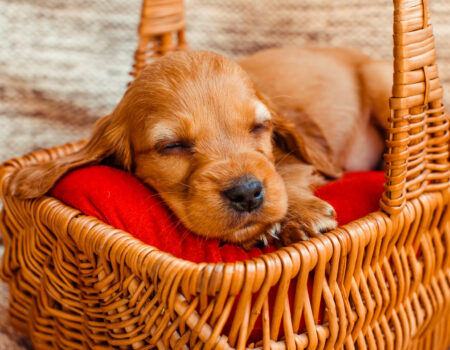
{"x":78,"y":283}
{"x":417,"y":157}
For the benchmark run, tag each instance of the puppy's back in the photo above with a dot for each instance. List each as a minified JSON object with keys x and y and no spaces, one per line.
{"x":330,"y":86}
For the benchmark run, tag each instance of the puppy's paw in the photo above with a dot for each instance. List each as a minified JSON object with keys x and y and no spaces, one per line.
{"x":268,"y":237}
{"x":310,"y":217}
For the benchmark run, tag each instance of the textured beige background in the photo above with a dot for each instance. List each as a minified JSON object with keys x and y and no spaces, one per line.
{"x":65,"y":63}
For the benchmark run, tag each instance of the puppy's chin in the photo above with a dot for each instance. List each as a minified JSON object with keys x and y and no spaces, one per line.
{"x":245,"y":229}
{"x":243,"y":234}
{"x":254,"y":234}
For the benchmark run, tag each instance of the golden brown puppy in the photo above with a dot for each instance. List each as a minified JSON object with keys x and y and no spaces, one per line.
{"x":236,"y":150}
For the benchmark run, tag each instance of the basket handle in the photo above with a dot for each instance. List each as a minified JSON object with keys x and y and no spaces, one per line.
{"x":417,"y":146}
{"x":161,"y":30}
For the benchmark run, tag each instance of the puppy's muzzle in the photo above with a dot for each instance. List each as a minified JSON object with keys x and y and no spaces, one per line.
{"x":246,"y":196}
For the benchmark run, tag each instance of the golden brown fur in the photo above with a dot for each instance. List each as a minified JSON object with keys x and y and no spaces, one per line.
{"x":193,"y":123}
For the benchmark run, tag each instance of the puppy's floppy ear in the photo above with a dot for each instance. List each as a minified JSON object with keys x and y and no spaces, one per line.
{"x":300,"y":135}
{"x":109,"y":140}
{"x":296,"y":133}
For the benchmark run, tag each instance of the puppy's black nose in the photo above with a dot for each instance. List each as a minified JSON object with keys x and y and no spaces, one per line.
{"x":248,"y":195}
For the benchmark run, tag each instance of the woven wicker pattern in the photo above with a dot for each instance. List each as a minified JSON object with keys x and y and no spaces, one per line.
{"x":418,"y":143}
{"x":383,"y":281}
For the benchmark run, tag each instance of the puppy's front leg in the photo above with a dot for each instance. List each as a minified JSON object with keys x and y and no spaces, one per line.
{"x":308,"y":216}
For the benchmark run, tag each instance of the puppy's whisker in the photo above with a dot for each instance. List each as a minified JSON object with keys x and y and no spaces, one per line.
{"x":186,"y":185}
{"x":283,"y":96}
{"x":283,"y":158}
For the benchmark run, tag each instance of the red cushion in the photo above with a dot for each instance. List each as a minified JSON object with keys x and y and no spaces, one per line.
{"x":121,"y":200}
{"x":354,"y":195}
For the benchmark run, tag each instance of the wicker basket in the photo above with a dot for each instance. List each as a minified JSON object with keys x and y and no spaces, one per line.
{"x":383,"y":280}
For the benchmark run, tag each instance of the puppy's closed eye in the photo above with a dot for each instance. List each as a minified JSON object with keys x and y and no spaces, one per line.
{"x":261,"y":127}
{"x":174,"y":147}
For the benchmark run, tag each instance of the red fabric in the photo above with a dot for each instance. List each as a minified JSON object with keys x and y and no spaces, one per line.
{"x":121,"y":200}
{"x":354,"y":195}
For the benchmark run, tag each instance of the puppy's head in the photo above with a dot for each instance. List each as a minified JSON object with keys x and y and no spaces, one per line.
{"x":194,"y":128}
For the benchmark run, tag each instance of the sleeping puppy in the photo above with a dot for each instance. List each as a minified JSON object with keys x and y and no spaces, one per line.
{"x":235,"y":150}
